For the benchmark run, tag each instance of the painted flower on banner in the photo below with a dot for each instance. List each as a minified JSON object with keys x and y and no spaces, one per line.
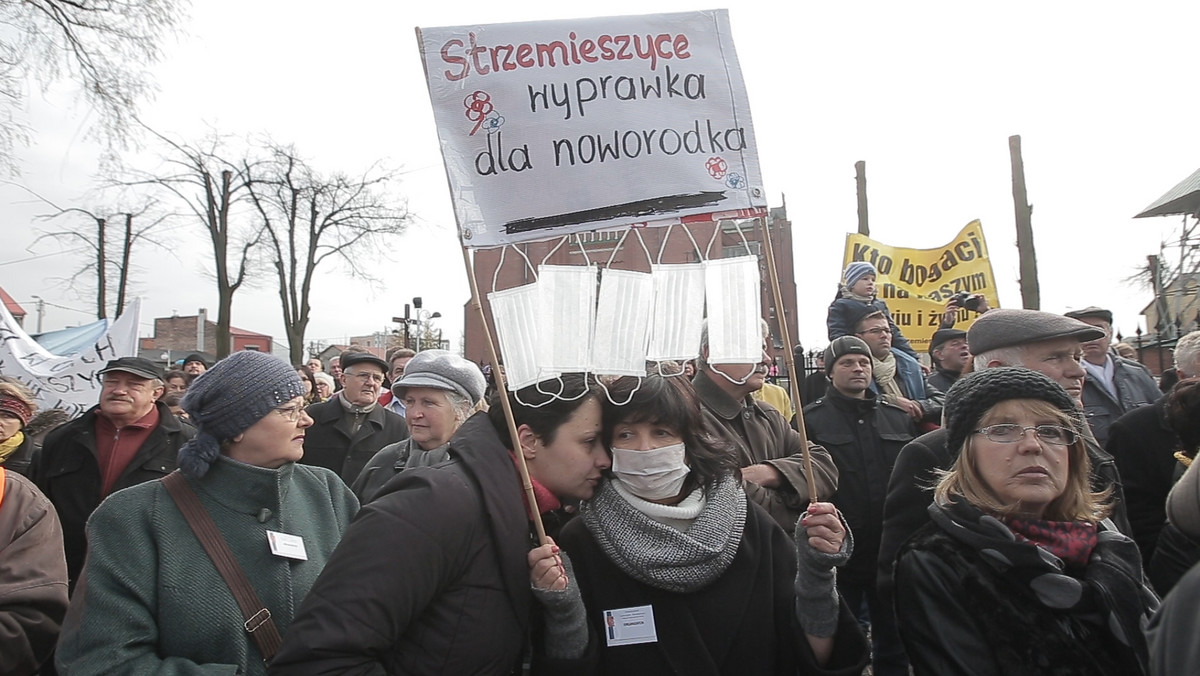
{"x":716,"y":167}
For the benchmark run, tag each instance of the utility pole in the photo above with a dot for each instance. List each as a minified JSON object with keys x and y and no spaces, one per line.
{"x":860,"y":180}
{"x":101,"y":264}
{"x":1030,"y":292}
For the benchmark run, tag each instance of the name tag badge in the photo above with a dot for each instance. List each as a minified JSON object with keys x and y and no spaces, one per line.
{"x":628,"y":626}
{"x":287,"y":546}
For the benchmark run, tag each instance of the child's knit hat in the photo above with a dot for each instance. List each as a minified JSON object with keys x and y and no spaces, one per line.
{"x":857,"y":270}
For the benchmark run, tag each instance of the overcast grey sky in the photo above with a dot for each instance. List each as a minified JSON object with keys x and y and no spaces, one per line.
{"x":926,"y":93}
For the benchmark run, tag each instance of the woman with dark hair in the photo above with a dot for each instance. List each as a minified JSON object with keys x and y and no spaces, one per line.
{"x":1020,"y":571}
{"x":432,"y":576}
{"x":310,"y":385}
{"x":670,"y":569}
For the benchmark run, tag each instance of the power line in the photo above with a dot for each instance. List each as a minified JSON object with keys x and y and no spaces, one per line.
{"x":39,"y":256}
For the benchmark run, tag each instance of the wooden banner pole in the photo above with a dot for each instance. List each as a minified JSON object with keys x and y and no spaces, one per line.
{"x":501,"y":387}
{"x":789,"y":359}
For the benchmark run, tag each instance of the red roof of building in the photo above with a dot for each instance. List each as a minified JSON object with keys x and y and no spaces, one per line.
{"x":14,"y":308}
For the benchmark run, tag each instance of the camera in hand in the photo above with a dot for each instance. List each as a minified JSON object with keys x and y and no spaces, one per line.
{"x":967,"y":300}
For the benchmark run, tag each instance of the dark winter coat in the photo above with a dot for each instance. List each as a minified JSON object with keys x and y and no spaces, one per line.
{"x":329,"y":443}
{"x":1143,"y":445}
{"x":864,"y":436}
{"x":960,"y":617}
{"x":763,"y":436}
{"x":910,"y":492}
{"x":1135,"y":388}
{"x":68,"y":472}
{"x":743,"y":623}
{"x":431,"y":578}
{"x":21,"y":460}
{"x":941,"y":379}
{"x":1173,"y":630}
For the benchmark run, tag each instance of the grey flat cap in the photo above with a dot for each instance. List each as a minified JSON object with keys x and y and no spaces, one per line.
{"x":1091,"y":311}
{"x":1005,"y":328}
{"x":442,"y":370}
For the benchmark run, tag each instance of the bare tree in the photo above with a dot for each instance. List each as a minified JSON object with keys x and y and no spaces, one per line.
{"x":105,"y":45}
{"x":310,"y":219}
{"x":100,"y":266}
{"x":210,"y":186}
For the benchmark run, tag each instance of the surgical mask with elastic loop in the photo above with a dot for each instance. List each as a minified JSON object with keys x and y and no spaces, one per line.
{"x":567,"y":300}
{"x":517,"y":318}
{"x":622,"y":322}
{"x":678,"y":311}
{"x":732,"y":297}
{"x":656,"y":474}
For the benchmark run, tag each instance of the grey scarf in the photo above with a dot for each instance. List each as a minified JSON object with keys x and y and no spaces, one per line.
{"x":659,"y":555}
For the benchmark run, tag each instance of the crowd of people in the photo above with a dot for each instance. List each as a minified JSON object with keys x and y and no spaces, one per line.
{"x":1020,"y":500}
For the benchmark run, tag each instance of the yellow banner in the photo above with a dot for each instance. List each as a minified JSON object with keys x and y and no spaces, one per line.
{"x":916,"y":283}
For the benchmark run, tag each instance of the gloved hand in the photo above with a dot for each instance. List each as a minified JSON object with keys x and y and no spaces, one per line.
{"x":553,"y":582}
{"x":823,"y":541}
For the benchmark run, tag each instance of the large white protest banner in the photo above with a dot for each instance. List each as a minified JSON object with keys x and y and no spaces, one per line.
{"x":554,"y":127}
{"x":69,"y":383}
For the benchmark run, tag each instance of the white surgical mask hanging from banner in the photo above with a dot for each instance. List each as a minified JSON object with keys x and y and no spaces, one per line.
{"x":656,"y":474}
{"x":567,"y":299}
{"x":517,"y":315}
{"x":622,"y":323}
{"x":678,"y":314}
{"x":733,"y":298}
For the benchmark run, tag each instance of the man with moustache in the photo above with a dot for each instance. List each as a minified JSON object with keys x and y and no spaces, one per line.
{"x":1041,"y":341}
{"x":769,"y":450}
{"x":949,"y":353}
{"x":128,"y":438}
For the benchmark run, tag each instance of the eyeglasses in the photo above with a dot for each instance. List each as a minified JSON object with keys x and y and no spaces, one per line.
{"x":291,"y":413}
{"x":1011,"y":433}
{"x":366,"y":376}
{"x":877,"y":332}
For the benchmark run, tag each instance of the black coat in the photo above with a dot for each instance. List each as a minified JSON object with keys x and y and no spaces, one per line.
{"x":329,"y":444}
{"x":743,"y":623}
{"x":1143,"y":446}
{"x":864,"y":436}
{"x":68,"y":472}
{"x":958,"y":617}
{"x":21,"y":460}
{"x":430,"y":578}
{"x":910,"y":492}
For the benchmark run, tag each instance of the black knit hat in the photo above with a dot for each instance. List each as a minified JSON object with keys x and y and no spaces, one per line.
{"x":972,"y":395}
{"x":236,"y":393}
{"x":841,"y":347}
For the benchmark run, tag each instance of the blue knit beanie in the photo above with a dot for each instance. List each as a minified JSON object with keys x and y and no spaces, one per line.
{"x":228,"y":398}
{"x":857,"y":270}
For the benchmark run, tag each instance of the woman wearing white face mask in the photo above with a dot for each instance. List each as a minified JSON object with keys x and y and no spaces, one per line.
{"x":671,"y":570}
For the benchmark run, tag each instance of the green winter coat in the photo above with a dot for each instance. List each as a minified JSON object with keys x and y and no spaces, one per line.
{"x":150,"y":601}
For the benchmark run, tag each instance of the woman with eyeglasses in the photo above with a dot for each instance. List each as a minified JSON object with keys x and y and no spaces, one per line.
{"x":1020,"y":571}
{"x":150,"y":599}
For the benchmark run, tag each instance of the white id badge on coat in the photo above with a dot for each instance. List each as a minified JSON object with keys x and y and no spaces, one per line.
{"x":627,"y":626}
{"x":287,"y":546}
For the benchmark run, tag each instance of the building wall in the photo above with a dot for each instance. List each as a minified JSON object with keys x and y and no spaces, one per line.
{"x":598,"y":247}
{"x":180,"y":333}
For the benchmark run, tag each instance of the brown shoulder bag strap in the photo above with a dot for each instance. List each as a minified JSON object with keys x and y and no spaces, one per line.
{"x":258,"y":622}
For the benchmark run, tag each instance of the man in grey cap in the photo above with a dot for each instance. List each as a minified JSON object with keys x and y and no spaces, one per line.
{"x":439,"y":390}
{"x":1041,"y":341}
{"x":350,"y":428}
{"x":128,"y":438}
{"x":1115,"y":385}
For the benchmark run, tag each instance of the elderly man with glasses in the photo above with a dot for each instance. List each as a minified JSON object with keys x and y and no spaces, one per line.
{"x":350,"y":428}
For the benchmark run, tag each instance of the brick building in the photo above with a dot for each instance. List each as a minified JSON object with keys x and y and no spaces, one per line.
{"x":599,"y":246}
{"x":179,"y":336}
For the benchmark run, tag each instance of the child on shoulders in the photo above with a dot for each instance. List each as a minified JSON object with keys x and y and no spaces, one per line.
{"x":857,"y":291}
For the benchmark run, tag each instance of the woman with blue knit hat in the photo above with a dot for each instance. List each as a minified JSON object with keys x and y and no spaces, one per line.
{"x":151,"y":599}
{"x":856,"y":299}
